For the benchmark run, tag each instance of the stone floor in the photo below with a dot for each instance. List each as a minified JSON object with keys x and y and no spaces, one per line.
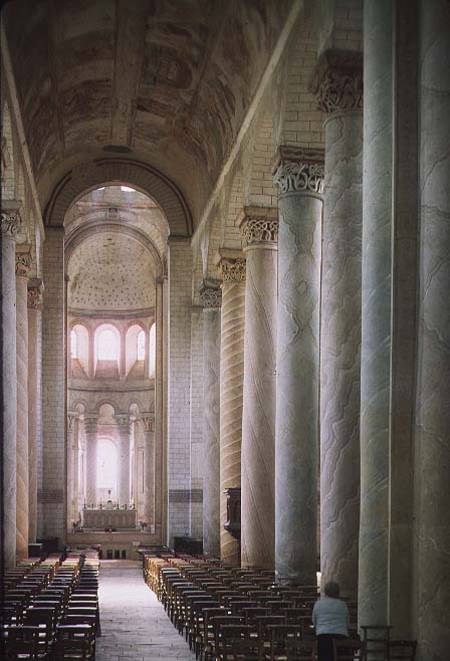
{"x":134,"y":625}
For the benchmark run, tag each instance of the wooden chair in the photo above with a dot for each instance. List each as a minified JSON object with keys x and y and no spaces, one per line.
{"x":74,"y":643}
{"x":228,"y":639}
{"x":300,"y":650}
{"x":348,"y":650}
{"x":279,"y":635}
{"x":402,"y":649}
{"x":22,"y":643}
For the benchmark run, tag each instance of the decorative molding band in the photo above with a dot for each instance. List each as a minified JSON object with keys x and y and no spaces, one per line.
{"x":23,"y":259}
{"x":337,"y":81}
{"x":10,"y":220}
{"x":259,"y":227}
{"x":35,"y":294}
{"x":300,"y":171}
{"x":232,"y":269}
{"x":51,"y":496}
{"x":210,"y":295}
{"x":185,"y":495}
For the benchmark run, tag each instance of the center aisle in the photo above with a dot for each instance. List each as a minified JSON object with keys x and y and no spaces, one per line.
{"x":134,"y":624}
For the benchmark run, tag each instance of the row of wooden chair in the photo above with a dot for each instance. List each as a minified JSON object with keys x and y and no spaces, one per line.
{"x":231,"y":613}
{"x":51,"y":612}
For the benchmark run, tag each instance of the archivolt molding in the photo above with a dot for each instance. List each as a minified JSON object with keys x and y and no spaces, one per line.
{"x":111,"y":171}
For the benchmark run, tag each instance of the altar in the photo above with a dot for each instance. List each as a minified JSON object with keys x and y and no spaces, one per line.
{"x":99,"y":519}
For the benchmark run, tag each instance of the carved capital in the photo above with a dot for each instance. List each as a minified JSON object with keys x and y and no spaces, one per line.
{"x":123,"y":421}
{"x":10,"y":219}
{"x":35,"y":294}
{"x":148,"y":421}
{"x":23,"y":259}
{"x":337,"y":81}
{"x":300,"y":171}
{"x":232,"y":269}
{"x":71,"y":417}
{"x":259,"y":227}
{"x":210,"y":295}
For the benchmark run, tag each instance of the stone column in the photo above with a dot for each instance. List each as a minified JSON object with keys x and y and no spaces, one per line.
{"x":148,"y":421}
{"x":72,"y":449}
{"x":23,"y":264}
{"x":10,"y":220}
{"x":90,"y":429}
{"x":179,"y":291}
{"x":259,"y":229}
{"x":232,"y":271}
{"x":53,"y":495}
{"x":388,"y":315}
{"x":35,"y":290}
{"x":123,"y":425}
{"x":300,"y":178}
{"x":433,"y":380}
{"x":210,"y":300}
{"x":160,"y":412}
{"x":338,"y":86}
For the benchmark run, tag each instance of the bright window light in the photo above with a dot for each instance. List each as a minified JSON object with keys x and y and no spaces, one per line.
{"x":107,"y":345}
{"x":127,"y":189}
{"x":73,"y":344}
{"x":141,"y":345}
{"x":107,"y":472}
{"x":152,"y":351}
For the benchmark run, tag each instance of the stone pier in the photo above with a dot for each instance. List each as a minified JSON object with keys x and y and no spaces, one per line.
{"x":338,"y":87}
{"x":300,"y":178}
{"x":210,"y":299}
{"x":259,"y":228}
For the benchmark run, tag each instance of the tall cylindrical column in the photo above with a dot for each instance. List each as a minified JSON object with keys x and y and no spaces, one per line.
{"x":433,"y":381}
{"x":90,"y":428}
{"x":72,"y":449}
{"x":148,"y":421}
{"x":23,"y":264}
{"x":123,"y":425}
{"x":232,"y":270}
{"x":210,"y":299}
{"x":160,"y":417}
{"x":10,"y":220}
{"x":338,"y":85}
{"x":300,"y":178}
{"x":34,"y":397}
{"x":259,"y":229}
{"x":54,"y":362}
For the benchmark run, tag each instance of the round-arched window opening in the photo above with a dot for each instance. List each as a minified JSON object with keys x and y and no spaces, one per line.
{"x":152,"y":351}
{"x":140,"y":349}
{"x":107,"y":470}
{"x":107,"y":345}
{"x":73,"y":344}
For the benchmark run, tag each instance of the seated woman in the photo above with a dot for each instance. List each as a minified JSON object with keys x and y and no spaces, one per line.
{"x":330,"y":617}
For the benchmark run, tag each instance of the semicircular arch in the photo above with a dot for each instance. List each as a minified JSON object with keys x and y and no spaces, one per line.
{"x":111,"y":171}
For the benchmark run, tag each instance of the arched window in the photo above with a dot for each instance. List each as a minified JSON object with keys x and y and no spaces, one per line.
{"x":140,"y":351}
{"x":152,"y":351}
{"x":107,"y":345}
{"x":73,"y":344}
{"x":107,"y":469}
